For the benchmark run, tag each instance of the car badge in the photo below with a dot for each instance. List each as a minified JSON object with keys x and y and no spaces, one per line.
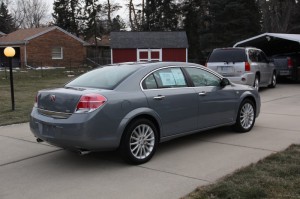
{"x":52,"y":98}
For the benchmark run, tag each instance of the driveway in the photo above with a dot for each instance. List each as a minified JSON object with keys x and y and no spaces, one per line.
{"x":32,"y":170}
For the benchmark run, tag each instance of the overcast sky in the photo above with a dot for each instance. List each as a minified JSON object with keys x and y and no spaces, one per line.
{"x":123,"y":12}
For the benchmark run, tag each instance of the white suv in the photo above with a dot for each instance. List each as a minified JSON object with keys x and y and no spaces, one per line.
{"x":243,"y":66}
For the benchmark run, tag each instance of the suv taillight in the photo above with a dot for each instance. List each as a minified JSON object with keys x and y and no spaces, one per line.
{"x":36,"y":101}
{"x":247,"y":66}
{"x":89,"y":103}
{"x":290,"y":62}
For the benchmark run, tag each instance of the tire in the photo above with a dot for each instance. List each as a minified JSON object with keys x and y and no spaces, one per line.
{"x":139,"y":142}
{"x":256,"y":82}
{"x":273,"y":81}
{"x":246,"y":117}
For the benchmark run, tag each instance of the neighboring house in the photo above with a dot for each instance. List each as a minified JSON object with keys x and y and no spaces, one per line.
{"x":148,"y":46}
{"x":47,"y":46}
{"x":99,"y":50}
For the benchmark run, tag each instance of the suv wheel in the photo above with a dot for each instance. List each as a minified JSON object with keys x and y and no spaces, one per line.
{"x":256,"y":82}
{"x":273,"y":81}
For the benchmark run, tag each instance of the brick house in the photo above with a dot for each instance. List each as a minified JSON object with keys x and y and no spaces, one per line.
{"x":47,"y":46}
{"x":148,"y":46}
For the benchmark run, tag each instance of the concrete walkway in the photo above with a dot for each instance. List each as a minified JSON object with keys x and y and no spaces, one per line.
{"x":32,"y":170}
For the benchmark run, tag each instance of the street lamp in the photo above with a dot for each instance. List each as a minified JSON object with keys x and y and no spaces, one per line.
{"x":9,"y":52}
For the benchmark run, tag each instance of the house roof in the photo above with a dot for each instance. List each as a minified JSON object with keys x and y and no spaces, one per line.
{"x":148,"y":40}
{"x":22,"y":36}
{"x":273,"y":43}
{"x":101,"y":41}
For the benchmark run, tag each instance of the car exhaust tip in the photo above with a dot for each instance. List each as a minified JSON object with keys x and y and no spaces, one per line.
{"x":83,"y":152}
{"x":39,"y":140}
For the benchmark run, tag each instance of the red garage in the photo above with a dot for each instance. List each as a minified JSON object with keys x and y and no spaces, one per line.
{"x":148,"y":46}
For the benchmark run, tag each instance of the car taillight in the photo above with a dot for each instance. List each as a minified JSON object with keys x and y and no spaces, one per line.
{"x":247,"y":66}
{"x":89,"y":103}
{"x":290,"y":62}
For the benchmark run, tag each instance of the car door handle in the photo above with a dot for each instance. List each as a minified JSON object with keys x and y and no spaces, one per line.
{"x":203,"y":93}
{"x":159,"y":97}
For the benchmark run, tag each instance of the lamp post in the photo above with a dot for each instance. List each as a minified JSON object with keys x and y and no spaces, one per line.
{"x":9,"y":52}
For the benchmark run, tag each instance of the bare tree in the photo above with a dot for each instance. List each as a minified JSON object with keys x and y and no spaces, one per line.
{"x":277,"y":15}
{"x":135,"y":16}
{"x":30,"y":13}
{"x":109,"y":8}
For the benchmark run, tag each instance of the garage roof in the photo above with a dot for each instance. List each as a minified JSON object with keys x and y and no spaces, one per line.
{"x":148,"y":40}
{"x":273,"y":43}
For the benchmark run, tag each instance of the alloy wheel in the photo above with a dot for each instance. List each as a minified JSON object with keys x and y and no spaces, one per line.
{"x":247,"y":116}
{"x":142,"y":141}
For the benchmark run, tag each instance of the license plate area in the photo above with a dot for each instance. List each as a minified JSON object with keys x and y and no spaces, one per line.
{"x":47,"y":130}
{"x":284,"y":72}
{"x":225,"y":69}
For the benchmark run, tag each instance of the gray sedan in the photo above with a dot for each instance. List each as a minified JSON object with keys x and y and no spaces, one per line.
{"x":134,"y":106}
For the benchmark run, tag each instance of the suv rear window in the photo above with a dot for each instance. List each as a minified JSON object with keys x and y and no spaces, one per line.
{"x":228,"y":55}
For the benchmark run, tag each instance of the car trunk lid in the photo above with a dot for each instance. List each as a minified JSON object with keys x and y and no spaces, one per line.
{"x":62,"y":100}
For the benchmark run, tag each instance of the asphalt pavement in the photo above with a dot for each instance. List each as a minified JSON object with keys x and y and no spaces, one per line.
{"x":37,"y":170}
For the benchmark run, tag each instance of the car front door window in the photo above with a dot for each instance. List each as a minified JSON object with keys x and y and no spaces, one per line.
{"x":212,"y":98}
{"x":202,"y":78}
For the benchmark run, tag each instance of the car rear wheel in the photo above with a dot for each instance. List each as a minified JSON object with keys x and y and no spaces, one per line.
{"x":273,"y":81}
{"x":246,"y":117}
{"x":256,"y":83}
{"x":139,"y":142}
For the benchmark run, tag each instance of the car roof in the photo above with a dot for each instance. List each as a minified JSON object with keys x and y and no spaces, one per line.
{"x":147,"y":67}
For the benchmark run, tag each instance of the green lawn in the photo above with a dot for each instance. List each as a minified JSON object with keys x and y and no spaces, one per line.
{"x":26,"y":85}
{"x":277,"y":176}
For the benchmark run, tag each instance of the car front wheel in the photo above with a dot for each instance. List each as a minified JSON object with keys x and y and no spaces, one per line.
{"x":246,"y":116}
{"x":139,"y":142}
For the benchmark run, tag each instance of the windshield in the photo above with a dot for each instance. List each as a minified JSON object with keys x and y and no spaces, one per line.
{"x":107,"y":77}
{"x":228,"y":55}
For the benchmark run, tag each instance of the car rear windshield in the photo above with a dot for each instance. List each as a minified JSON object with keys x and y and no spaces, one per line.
{"x":107,"y":77}
{"x":228,"y":55}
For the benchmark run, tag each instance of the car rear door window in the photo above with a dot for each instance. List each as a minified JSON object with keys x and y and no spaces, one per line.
{"x":165,"y":78}
{"x":253,"y":55}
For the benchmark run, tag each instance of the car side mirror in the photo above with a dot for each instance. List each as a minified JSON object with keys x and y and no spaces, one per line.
{"x":224,"y":82}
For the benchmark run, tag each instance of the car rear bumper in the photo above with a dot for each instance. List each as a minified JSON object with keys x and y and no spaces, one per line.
{"x":78,"y":132}
{"x":246,"y":79}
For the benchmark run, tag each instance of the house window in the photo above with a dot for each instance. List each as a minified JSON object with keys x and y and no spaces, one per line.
{"x":57,"y":53}
{"x":149,"y":55}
